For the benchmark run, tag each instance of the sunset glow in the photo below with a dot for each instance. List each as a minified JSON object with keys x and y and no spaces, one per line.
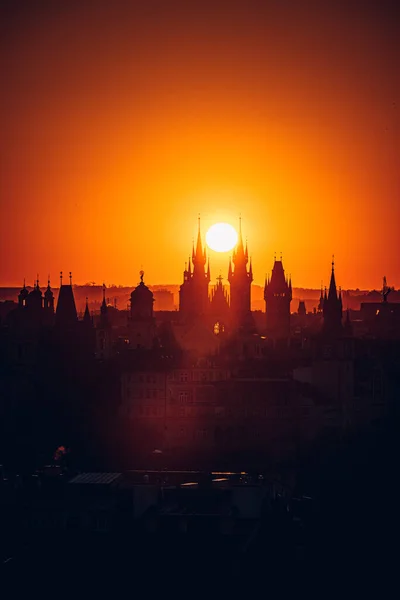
{"x":119,"y":139}
{"x":221,"y":237}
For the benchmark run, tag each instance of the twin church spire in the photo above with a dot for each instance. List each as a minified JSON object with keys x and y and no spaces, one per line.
{"x":193,"y":293}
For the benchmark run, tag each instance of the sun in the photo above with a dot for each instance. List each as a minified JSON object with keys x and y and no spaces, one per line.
{"x":221,"y":237}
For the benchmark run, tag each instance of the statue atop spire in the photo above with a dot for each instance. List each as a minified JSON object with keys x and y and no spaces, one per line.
{"x":385,"y":290}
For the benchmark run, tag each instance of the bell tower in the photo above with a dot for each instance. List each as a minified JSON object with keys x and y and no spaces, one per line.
{"x":278,"y":296}
{"x":142,"y":327}
{"x":193,"y":293}
{"x":240,"y":278}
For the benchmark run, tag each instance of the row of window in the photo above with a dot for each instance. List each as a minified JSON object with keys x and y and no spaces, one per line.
{"x":184,"y":376}
{"x":221,"y":411}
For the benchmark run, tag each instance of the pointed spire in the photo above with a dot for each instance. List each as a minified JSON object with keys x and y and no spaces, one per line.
{"x":250,"y":268}
{"x":240,"y":248}
{"x":86,"y":316}
{"x":49,"y":294}
{"x":189,"y":267}
{"x":199,"y":247}
{"x":103,"y":307}
{"x":332,"y":286}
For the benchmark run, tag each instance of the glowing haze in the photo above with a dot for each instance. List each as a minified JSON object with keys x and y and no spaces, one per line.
{"x":121,"y":121}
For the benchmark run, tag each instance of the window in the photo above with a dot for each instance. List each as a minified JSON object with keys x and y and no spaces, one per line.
{"x":184,"y":377}
{"x":183,"y":397}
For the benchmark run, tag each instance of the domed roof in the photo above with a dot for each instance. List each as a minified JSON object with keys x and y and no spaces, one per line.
{"x":36,"y":291}
{"x":24,"y":292}
{"x":142,"y":291}
{"x":48,"y":293}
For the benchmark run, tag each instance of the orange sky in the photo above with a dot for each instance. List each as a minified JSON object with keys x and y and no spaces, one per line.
{"x":121,"y":121}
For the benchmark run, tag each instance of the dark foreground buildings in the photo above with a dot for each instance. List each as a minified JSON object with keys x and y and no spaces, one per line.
{"x":213,"y":383}
{"x":307,"y":402}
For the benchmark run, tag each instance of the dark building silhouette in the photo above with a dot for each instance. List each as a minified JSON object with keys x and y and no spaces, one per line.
{"x":240,"y":279}
{"x":278,"y":296}
{"x":332,"y":308}
{"x":87,"y":319}
{"x":321,"y":301}
{"x":66,"y":315}
{"x":22,"y":296}
{"x":219,"y":306}
{"x":49,"y":300}
{"x":34,"y":300}
{"x":103,"y":331}
{"x":193,"y":293}
{"x":301,"y":311}
{"x":142,"y":327}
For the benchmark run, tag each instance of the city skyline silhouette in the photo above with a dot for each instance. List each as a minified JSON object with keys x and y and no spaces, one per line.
{"x":199,"y":296}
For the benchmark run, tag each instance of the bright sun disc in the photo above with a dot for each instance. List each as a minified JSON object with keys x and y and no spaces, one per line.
{"x":221,"y":237}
